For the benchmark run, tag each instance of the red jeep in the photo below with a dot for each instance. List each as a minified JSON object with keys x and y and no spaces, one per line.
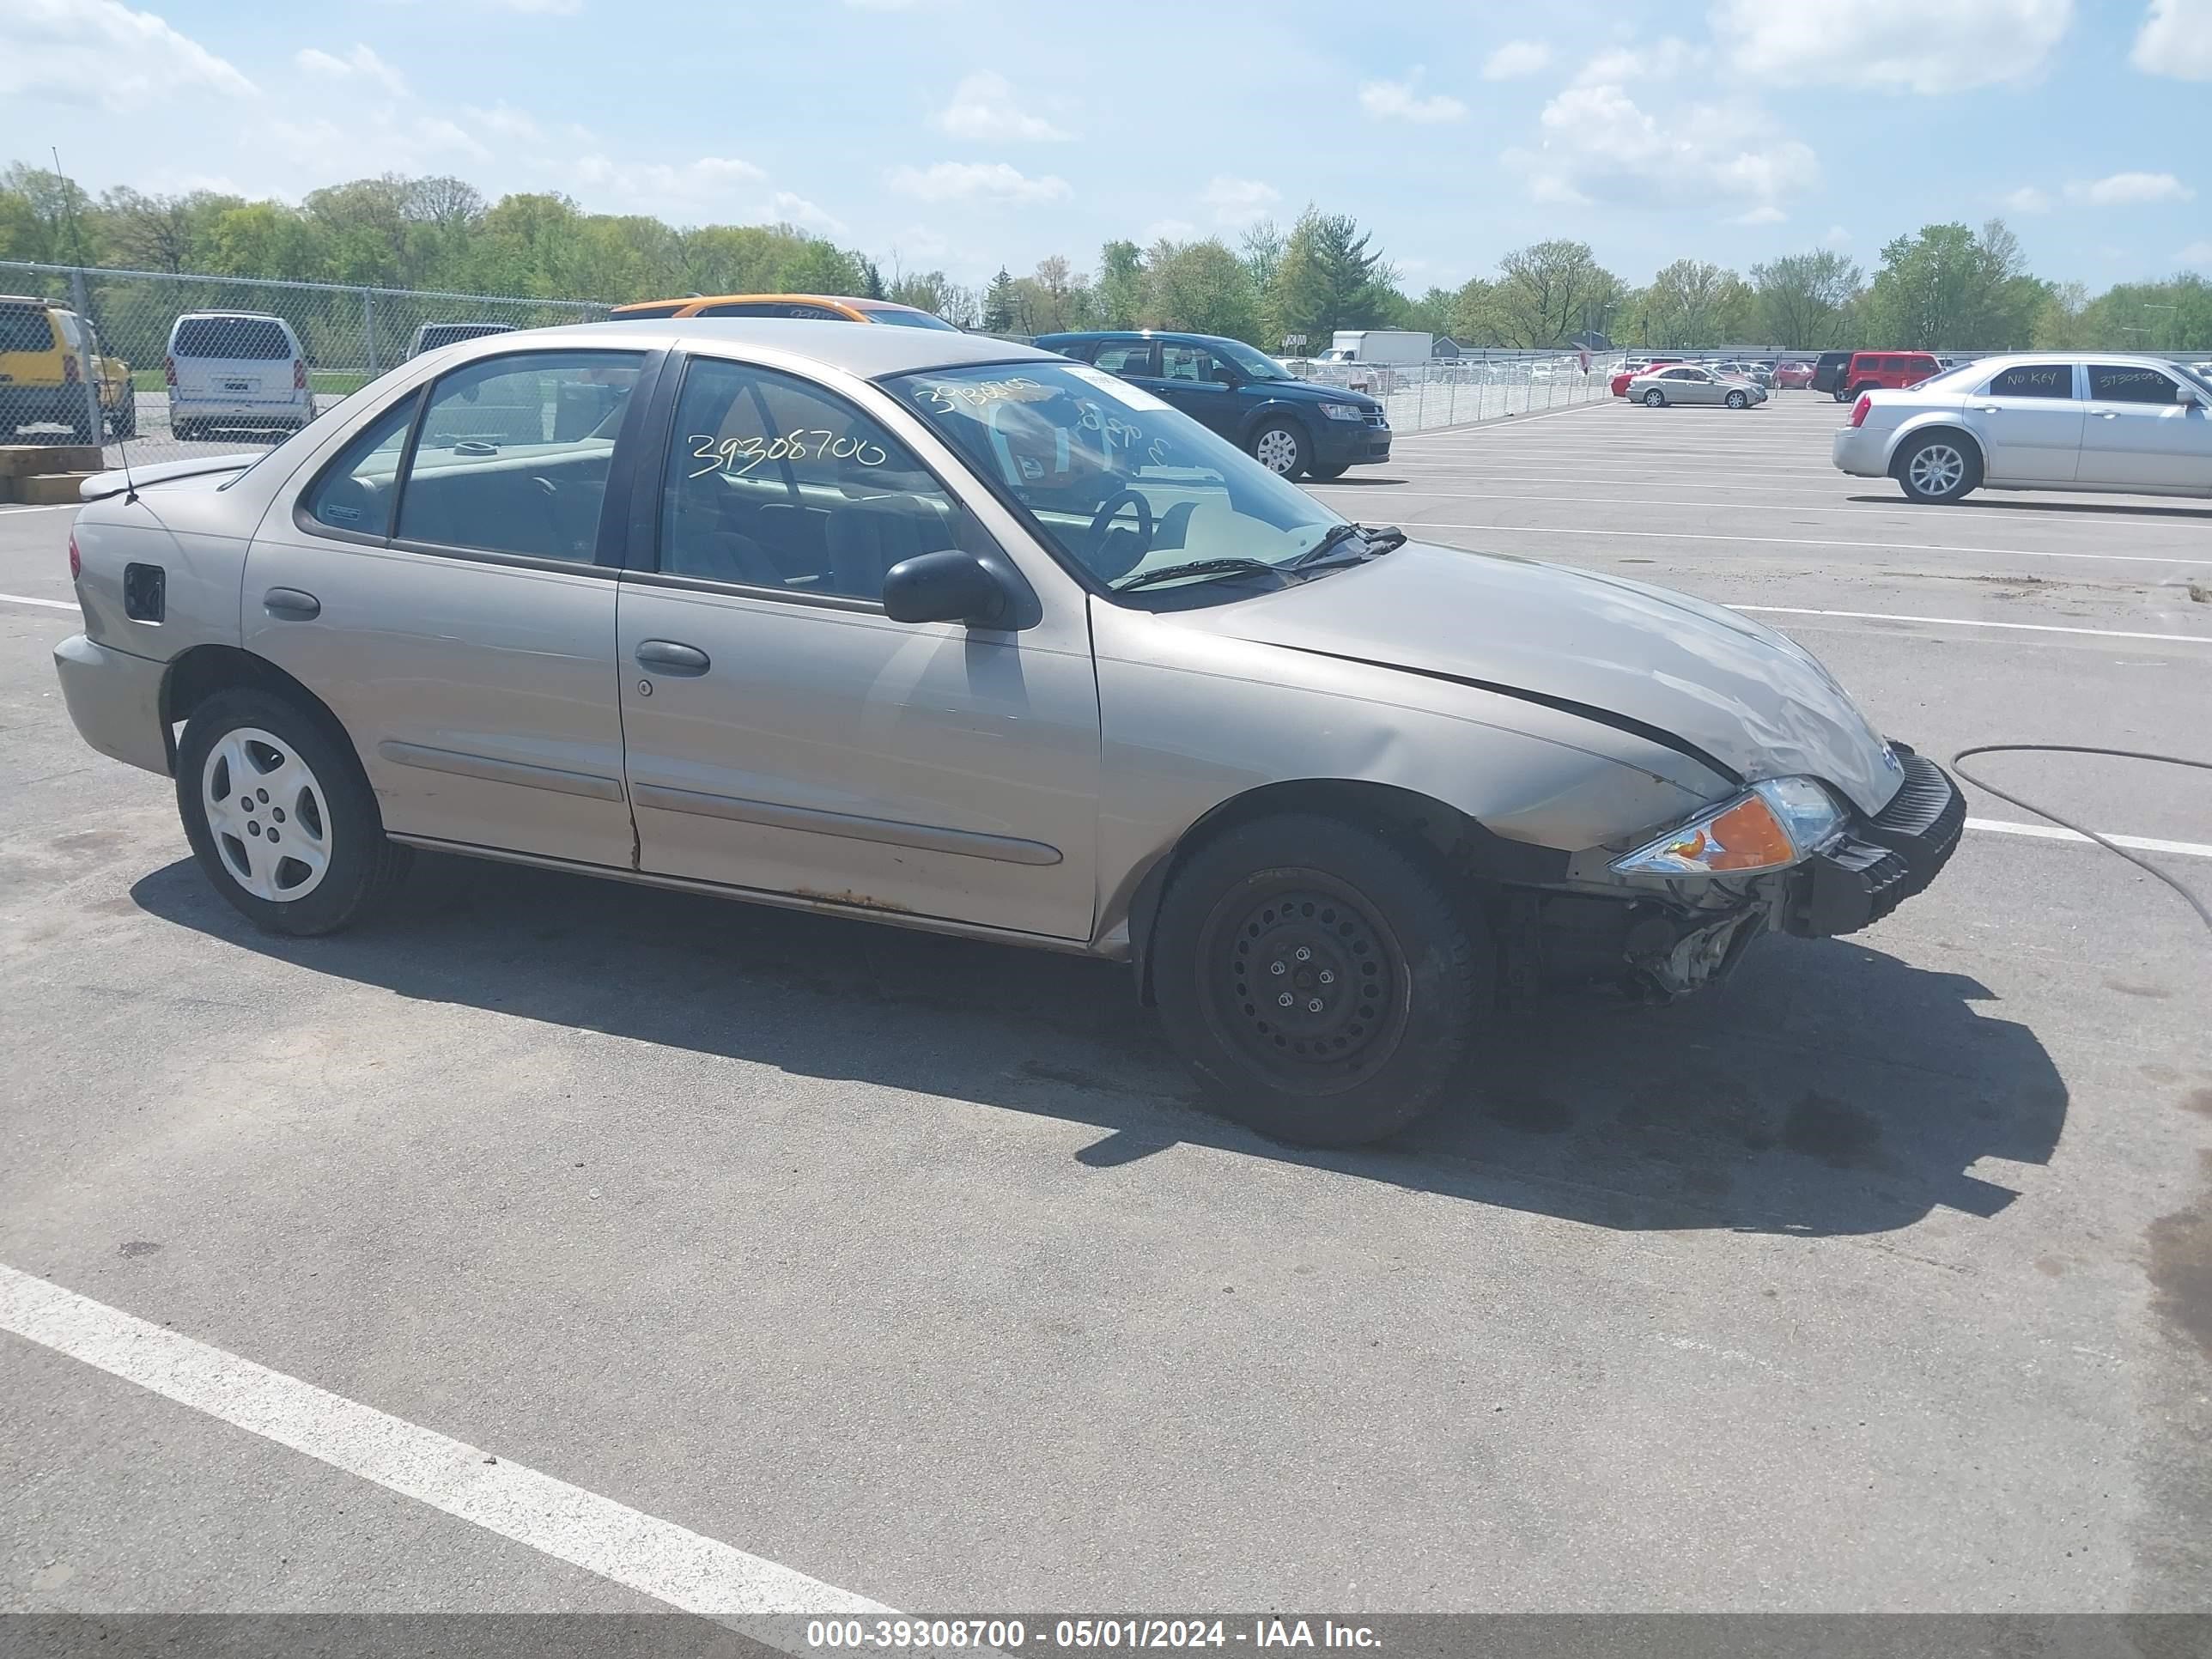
{"x":1869,"y":371}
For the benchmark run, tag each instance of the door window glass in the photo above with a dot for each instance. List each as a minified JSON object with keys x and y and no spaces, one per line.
{"x":2129,"y":383}
{"x":355,"y":491}
{"x":515,"y":453}
{"x":775,"y":482}
{"x":1194,"y":365}
{"x":1125,"y":357}
{"x":2034,"y":381}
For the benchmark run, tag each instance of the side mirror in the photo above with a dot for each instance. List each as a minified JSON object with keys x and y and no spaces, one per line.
{"x":1224,"y":375}
{"x":947,"y":586}
{"x":2183,"y":394}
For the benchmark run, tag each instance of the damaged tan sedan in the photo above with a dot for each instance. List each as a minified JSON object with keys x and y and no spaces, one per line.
{"x":944,"y":632}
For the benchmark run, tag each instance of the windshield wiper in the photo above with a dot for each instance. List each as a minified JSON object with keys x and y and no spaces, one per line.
{"x":1379,"y":539}
{"x":1197,"y":567}
{"x":1382,"y":537}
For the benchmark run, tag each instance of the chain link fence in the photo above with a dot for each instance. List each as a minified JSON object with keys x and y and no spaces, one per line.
{"x":1476,"y":385}
{"x":182,"y":365}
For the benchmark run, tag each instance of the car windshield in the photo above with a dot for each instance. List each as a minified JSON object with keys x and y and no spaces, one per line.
{"x":1114,"y":480}
{"x":1252,"y":364}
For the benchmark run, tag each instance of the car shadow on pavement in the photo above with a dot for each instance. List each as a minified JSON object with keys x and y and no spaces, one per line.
{"x":2126,"y":509}
{"x":1828,"y":1089}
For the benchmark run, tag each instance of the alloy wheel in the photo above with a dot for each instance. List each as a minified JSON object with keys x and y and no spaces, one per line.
{"x":1936,"y":469}
{"x":267,"y":813}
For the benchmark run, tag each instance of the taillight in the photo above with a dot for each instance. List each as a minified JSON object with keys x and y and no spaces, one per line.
{"x":1861,"y":409}
{"x":70,"y":372}
{"x":169,"y":369}
{"x":76,"y":564}
{"x":299,"y":373}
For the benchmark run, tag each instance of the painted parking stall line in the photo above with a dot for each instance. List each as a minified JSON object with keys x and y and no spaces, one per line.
{"x":50,"y":605}
{"x":655,"y":1558}
{"x":2191,"y":849}
{"x":1974,"y":622}
{"x":1805,"y":541}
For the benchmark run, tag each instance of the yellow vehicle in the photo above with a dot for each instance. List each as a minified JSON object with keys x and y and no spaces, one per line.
{"x":43,"y":348}
{"x":823,"y":307}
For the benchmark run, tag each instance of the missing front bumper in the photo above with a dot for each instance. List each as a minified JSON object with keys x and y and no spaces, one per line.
{"x":1879,"y":864}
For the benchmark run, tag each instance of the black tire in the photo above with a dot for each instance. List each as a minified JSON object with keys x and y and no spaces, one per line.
{"x":1938,"y":469}
{"x":1655,"y":398}
{"x":1842,"y":396}
{"x":1270,"y":439}
{"x":1323,"y":474}
{"x":126,"y":419}
{"x":184,"y":431}
{"x":1737,"y":400}
{"x":362,"y":864}
{"x":1378,"y":919}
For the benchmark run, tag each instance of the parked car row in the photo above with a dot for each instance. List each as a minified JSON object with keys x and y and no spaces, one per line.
{"x":2101,"y":421}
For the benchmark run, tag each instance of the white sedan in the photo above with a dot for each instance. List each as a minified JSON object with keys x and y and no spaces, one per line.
{"x":2101,"y":421}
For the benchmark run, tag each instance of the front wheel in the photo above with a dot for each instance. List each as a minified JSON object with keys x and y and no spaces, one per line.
{"x":1737,"y":400}
{"x":1938,"y":470}
{"x":279,"y":815}
{"x":1281,"y":448}
{"x":1323,"y":474}
{"x":1323,"y":982}
{"x":1655,"y":398}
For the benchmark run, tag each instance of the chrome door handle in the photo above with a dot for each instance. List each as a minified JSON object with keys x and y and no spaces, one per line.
{"x":2106,"y":414}
{"x":1987,"y":409}
{"x":671,"y":656}
{"x":291,"y":604}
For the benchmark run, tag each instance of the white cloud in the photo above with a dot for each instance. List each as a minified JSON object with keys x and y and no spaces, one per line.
{"x":378,"y":142}
{"x":796,"y":210}
{"x":1620,"y":65}
{"x":983,"y":108}
{"x":1166,"y":230}
{"x":919,"y":242}
{"x":1515,"y":58}
{"x":972,"y":181}
{"x":1599,"y":145}
{"x":1398,"y":101}
{"x":1764,"y":214}
{"x":694,"y":186}
{"x":507,"y":121}
{"x":540,"y":7}
{"x":2176,"y":39}
{"x":1912,"y":46}
{"x":1838,"y":237}
{"x":2028,"y":198}
{"x":2197,"y":256}
{"x":2130,"y":190}
{"x":1237,"y":202}
{"x":361,"y":62}
{"x":100,"y":51}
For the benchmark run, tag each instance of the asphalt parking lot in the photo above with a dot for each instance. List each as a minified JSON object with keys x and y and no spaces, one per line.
{"x":1880,"y":1280}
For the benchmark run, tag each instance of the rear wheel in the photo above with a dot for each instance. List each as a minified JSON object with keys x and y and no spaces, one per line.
{"x":1842,"y":396}
{"x":1320,"y":981}
{"x":1655,"y":398}
{"x":1281,"y":448}
{"x":1938,"y":469}
{"x":279,"y":815}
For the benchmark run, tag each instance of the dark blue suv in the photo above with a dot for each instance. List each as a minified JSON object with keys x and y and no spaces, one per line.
{"x":1293,"y":427}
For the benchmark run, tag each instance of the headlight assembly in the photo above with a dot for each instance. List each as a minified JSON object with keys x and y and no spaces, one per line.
{"x":1344,"y":411}
{"x":1770,"y":826}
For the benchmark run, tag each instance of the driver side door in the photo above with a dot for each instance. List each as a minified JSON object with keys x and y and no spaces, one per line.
{"x":1193,"y":380}
{"x":783,"y":734}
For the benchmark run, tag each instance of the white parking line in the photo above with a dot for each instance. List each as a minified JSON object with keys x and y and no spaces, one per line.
{"x":2194,"y":850}
{"x":653,"y":1556}
{"x":1969,"y":621}
{"x":25,"y":599}
{"x":49,"y":507}
{"x":1796,"y":541}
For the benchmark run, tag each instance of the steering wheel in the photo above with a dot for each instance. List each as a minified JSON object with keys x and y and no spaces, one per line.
{"x":1102,"y":526}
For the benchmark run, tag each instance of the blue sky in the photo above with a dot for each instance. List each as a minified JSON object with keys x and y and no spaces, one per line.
{"x":967,"y":134}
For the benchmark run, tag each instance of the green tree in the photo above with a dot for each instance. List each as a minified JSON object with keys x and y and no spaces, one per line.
{"x":1120,"y":284}
{"x":1329,"y":278}
{"x":1202,"y":288}
{"x":1545,"y":294}
{"x":1948,"y":287}
{"x":1802,"y":298}
{"x":1685,"y":304}
{"x":1002,"y":306}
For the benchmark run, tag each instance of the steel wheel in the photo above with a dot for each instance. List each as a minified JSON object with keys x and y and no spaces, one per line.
{"x":1305,"y":983}
{"x":1935,"y":469}
{"x":1277,"y":449}
{"x":268,"y":814}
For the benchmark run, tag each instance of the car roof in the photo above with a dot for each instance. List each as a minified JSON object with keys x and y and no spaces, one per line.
{"x":1142,"y":334}
{"x":845,"y":300}
{"x":868,"y":352}
{"x":257,"y":316}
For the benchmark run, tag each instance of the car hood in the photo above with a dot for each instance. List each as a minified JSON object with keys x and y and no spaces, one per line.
{"x":1317,"y":391}
{"x":1719,"y":682}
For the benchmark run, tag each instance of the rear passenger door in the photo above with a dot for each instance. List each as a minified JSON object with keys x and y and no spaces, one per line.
{"x":444,"y":585}
{"x":786,"y":736}
{"x":2028,"y":421}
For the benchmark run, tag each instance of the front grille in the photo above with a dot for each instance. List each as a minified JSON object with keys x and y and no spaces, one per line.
{"x":1923,"y":820}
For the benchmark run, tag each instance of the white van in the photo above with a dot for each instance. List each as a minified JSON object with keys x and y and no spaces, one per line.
{"x":236,"y":368}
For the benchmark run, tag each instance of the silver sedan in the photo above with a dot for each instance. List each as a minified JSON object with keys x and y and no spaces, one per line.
{"x":1691,"y":383}
{"x":2093,"y":421}
{"x":931,"y":630}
